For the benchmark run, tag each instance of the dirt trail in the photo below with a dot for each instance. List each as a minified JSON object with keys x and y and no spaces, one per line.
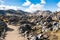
{"x":13,"y":35}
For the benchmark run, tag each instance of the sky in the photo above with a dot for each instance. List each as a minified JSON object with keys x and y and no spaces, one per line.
{"x":30,"y":5}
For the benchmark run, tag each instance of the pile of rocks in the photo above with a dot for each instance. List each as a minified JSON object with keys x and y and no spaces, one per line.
{"x":44,"y":24}
{"x":3,"y":29}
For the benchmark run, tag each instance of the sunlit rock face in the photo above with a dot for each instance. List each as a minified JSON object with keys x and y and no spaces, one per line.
{"x":44,"y":13}
{"x":58,"y":15}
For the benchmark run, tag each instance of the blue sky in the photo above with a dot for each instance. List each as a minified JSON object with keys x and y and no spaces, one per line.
{"x":32,"y":5}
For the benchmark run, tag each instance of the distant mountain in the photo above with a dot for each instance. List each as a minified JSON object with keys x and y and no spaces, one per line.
{"x":38,"y":12}
{"x":11,"y":11}
{"x":2,"y":12}
{"x":20,"y":12}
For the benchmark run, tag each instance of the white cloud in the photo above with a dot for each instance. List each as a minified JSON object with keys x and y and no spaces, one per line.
{"x":58,"y":6}
{"x":27,"y":3}
{"x":6,"y":7}
{"x":43,"y":2}
{"x":34,"y":7}
{"x":58,"y":9}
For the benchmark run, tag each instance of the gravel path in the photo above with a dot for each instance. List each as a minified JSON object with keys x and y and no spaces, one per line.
{"x":13,"y":35}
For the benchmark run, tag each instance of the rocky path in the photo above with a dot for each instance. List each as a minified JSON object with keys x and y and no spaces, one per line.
{"x":13,"y":35}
